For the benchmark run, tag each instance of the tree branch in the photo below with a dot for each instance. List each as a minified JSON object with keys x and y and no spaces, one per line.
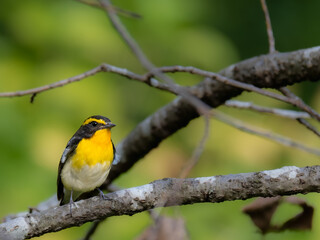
{"x":272,"y":47}
{"x":166,"y":192}
{"x":276,"y":111}
{"x":285,"y":91}
{"x":191,"y":163}
{"x":121,"y":11}
{"x":263,"y":133}
{"x":61,"y":83}
{"x":271,"y":71}
{"x":200,"y":106}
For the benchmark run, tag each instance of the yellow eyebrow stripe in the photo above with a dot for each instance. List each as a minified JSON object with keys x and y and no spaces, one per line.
{"x":89,"y":120}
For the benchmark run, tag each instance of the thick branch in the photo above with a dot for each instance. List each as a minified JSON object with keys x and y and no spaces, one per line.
{"x":270,"y":71}
{"x":167,"y":192}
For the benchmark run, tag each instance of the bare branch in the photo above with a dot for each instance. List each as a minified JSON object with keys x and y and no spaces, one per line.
{"x":301,"y":104}
{"x":92,"y":229}
{"x":147,"y":78}
{"x":272,"y":136}
{"x":276,"y":111}
{"x":309,"y":126}
{"x":281,"y":69}
{"x":61,"y":83}
{"x":191,"y":163}
{"x":113,"y":188}
{"x":283,"y":181}
{"x":285,"y":90}
{"x":200,"y":106}
{"x":101,"y":68}
{"x":225,"y":80}
{"x":117,"y":9}
{"x":272,"y":48}
{"x":272,"y":71}
{"x":125,"y":35}
{"x":197,"y":152}
{"x":245,"y":86}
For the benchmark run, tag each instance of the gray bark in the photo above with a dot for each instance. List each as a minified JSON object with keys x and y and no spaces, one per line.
{"x":164,"y":193}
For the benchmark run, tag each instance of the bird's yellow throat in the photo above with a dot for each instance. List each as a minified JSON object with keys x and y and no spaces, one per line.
{"x":97,"y":149}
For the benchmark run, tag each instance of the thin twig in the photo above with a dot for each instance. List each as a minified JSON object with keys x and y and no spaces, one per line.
{"x":201,"y":107}
{"x":53,"y":85}
{"x":101,"y":68}
{"x":299,"y":102}
{"x":197,"y":152}
{"x":94,"y":226}
{"x":191,"y":162}
{"x":92,"y":229}
{"x":121,"y":11}
{"x":33,"y":97}
{"x":285,"y":90}
{"x":148,"y":79}
{"x":308,"y":126}
{"x":276,"y":111}
{"x":272,"y":48}
{"x":272,"y":136}
{"x":302,"y":105}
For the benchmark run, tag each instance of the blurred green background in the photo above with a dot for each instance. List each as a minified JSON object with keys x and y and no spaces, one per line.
{"x":45,"y":41}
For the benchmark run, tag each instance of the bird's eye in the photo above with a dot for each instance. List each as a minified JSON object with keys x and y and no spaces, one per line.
{"x":94,"y":123}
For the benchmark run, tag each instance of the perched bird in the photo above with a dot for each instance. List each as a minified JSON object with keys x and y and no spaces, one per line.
{"x":86,"y":161}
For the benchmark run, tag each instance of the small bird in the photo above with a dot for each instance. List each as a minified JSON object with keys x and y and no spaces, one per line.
{"x":86,"y":161}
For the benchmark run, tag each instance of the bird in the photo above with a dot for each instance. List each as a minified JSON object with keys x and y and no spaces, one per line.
{"x":86,"y":160}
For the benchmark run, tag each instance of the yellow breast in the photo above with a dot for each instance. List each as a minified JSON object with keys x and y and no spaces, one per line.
{"x":97,"y":149}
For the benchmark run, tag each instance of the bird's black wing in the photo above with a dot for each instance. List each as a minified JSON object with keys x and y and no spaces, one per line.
{"x":68,"y":152}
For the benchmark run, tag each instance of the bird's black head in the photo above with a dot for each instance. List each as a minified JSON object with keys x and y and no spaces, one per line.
{"x":93,"y":124}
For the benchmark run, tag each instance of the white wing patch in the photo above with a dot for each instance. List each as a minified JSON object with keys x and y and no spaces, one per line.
{"x":116,"y":159}
{"x":65,"y":154}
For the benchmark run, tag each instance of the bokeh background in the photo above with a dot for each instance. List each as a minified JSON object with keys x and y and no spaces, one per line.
{"x":45,"y":41}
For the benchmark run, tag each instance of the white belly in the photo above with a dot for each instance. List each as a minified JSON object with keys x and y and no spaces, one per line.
{"x":84,"y":179}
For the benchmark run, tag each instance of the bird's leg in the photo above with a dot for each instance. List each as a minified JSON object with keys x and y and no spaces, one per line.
{"x":71,"y":202}
{"x":102,"y":195}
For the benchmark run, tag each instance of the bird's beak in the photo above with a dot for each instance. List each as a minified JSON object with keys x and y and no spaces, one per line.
{"x":110,"y":125}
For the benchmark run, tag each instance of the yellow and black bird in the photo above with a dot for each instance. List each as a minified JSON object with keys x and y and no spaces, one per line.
{"x":87,"y":159}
